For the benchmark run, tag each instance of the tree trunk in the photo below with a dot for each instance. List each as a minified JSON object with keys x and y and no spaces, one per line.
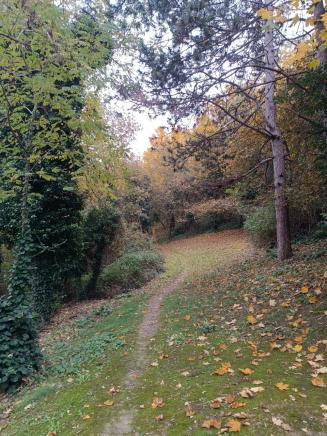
{"x":284,"y":249}
{"x":319,"y":10}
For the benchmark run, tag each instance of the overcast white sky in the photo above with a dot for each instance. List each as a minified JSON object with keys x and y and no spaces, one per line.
{"x":147,"y":129}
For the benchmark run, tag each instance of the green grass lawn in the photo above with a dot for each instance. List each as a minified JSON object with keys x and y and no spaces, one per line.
{"x":256,"y":314}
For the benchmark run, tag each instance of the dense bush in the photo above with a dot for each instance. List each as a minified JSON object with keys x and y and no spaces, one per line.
{"x":100,"y":228}
{"x":132,"y":270}
{"x":261,"y":225}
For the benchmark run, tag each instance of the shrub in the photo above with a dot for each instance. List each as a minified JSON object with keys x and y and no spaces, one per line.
{"x":261,"y":225}
{"x":132,"y":270}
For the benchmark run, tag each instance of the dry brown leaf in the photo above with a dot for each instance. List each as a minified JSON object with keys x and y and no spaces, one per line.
{"x":211,"y":423}
{"x":188,"y":411}
{"x":280,"y":423}
{"x":241,"y":415}
{"x":86,"y":417}
{"x":257,"y":382}
{"x":215,"y":404}
{"x":313,"y":299}
{"x":187,"y":317}
{"x":237,"y":405}
{"x":318,"y":381}
{"x":52,"y":433}
{"x":246,"y":371}
{"x":229,"y":398}
{"x":304,"y":289}
{"x":108,"y":403}
{"x":223,"y":369}
{"x":251,"y":319}
{"x":234,"y":426}
{"x":162,"y":355}
{"x":157,"y":402}
{"x":159,"y":417}
{"x":282,"y":386}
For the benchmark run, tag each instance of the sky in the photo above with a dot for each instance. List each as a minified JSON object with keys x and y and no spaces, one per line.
{"x":147,"y":129}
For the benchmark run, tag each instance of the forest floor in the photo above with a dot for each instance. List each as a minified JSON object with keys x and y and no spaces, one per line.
{"x":226,"y":340}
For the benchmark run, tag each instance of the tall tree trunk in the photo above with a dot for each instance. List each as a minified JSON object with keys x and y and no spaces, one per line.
{"x":284,"y":248}
{"x":319,"y":10}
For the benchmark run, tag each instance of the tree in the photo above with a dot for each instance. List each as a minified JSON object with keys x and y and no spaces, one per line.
{"x":204,"y":51}
{"x":48,"y":54}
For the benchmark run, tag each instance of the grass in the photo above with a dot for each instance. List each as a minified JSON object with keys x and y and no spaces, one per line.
{"x":203,"y":324}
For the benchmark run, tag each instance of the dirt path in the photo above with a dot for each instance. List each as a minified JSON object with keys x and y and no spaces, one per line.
{"x":122,"y":423}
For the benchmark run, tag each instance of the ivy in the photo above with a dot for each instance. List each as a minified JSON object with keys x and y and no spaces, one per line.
{"x":19,"y":351}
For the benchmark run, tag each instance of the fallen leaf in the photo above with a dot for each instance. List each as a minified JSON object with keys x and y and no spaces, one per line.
{"x":159,"y":417}
{"x":162,"y":355}
{"x":297,"y":348}
{"x":52,"y":433}
{"x":257,"y":382}
{"x":251,"y":319}
{"x":304,"y":289}
{"x":237,"y":405}
{"x":282,"y":386}
{"x":215,"y":404}
{"x":280,"y":423}
{"x":211,"y":423}
{"x":188,"y":411}
{"x":86,"y":417}
{"x":313,"y":299}
{"x":318,"y":381}
{"x":313,"y":349}
{"x":187,"y":317}
{"x":246,"y":371}
{"x":108,"y":403}
{"x":234,"y":426}
{"x":223,"y":369}
{"x":257,"y":389}
{"x":157,"y":402}
{"x":241,"y":415}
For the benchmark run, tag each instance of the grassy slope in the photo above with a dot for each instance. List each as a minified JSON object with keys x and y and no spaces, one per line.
{"x":206,"y":324}
{"x":203,"y":322}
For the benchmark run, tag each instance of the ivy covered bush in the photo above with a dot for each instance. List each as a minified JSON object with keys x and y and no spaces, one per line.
{"x":19,"y":351}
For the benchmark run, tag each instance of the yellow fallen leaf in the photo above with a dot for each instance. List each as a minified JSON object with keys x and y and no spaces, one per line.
{"x":246,"y":371}
{"x":313,"y":300}
{"x":304,"y":289}
{"x":282,"y":386}
{"x":312,"y":349}
{"x":157,"y":402}
{"x":297,"y":348}
{"x":234,"y":426}
{"x":108,"y":403}
{"x":251,"y":319}
{"x":211,"y":423}
{"x":223,"y":369}
{"x":318,"y":381}
{"x":86,"y":417}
